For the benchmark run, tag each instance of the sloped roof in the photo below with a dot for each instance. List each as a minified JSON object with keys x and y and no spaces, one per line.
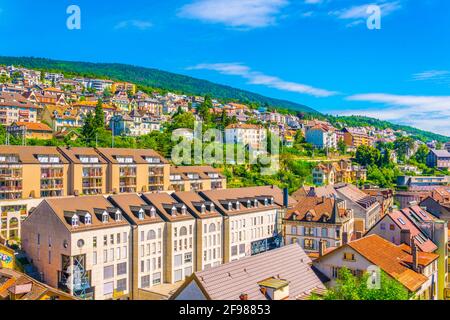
{"x":289,"y":263}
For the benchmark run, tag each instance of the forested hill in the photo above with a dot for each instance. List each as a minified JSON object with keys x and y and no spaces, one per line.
{"x":152,"y":78}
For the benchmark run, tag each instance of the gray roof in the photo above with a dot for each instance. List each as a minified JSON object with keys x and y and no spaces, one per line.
{"x":441,"y":153}
{"x":230,"y":280}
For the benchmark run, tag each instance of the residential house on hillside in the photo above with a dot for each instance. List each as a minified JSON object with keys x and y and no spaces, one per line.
{"x":355,"y":137}
{"x":250,"y":135}
{"x":342,"y":171}
{"x":322,"y":137}
{"x":439,"y":159}
{"x":30,"y":130}
{"x":14,"y":107}
{"x":133,"y":124}
{"x":286,"y":275}
{"x":314,"y":219}
{"x":366,"y":209}
{"x":415,"y":270}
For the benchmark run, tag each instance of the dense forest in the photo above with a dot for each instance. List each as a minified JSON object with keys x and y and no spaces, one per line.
{"x":147,"y":78}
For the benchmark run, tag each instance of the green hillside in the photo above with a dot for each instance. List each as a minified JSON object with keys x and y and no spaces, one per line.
{"x":152,"y":78}
{"x":166,"y":81}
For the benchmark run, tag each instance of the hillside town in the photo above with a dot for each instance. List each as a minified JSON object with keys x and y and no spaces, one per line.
{"x":89,"y":218}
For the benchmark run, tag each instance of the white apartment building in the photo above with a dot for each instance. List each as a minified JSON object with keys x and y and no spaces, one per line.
{"x":252,"y":219}
{"x":148,"y":241}
{"x":179,"y":241}
{"x":246,"y":134}
{"x":209,"y":233}
{"x":81,"y":247}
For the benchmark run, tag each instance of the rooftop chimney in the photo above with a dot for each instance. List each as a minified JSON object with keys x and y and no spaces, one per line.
{"x":243,"y":297}
{"x":415,"y":256}
{"x":285,"y":197}
{"x":322,"y":247}
{"x":344,"y":238}
{"x":405,"y":237}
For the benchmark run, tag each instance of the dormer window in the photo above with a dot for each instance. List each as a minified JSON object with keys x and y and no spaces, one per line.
{"x":105,"y":217}
{"x":249,"y":203}
{"x":230,"y":206}
{"x":75,"y":221}
{"x":238,"y":205}
{"x":141,"y":214}
{"x":153,"y":212}
{"x":183,"y":210}
{"x":174,"y":211}
{"x":212,"y":207}
{"x":256,"y":203}
{"x":266,"y":202}
{"x":87,"y":219}
{"x":272,"y":200}
{"x":203,"y":208}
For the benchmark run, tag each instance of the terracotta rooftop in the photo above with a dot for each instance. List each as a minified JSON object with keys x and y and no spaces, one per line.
{"x":202,"y":172}
{"x":131,"y":204}
{"x":318,"y":209}
{"x":29,"y":154}
{"x":74,"y":154}
{"x":34,"y":126}
{"x":195,"y":203}
{"x":169,"y":208}
{"x":138,"y":155}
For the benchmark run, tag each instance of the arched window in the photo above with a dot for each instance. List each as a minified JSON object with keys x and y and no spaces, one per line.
{"x":75,"y":221}
{"x":183,"y":231}
{"x":87,"y":219}
{"x":212,"y":227}
{"x":151,"y":235}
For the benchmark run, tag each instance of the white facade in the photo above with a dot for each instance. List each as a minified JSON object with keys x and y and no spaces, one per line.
{"x":183,"y":255}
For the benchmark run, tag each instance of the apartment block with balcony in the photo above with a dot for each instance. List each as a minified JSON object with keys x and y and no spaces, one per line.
{"x":12,"y":214}
{"x":87,"y":171}
{"x":32,"y":172}
{"x":179,"y":242}
{"x":148,"y":250}
{"x":196,"y":178}
{"x":208,"y":231}
{"x":135,"y":170}
{"x":252,"y":219}
{"x":80,"y":246}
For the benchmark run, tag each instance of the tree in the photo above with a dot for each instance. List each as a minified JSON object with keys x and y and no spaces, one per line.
{"x":342,"y":147}
{"x":367,"y":155}
{"x":99,"y":115}
{"x":403,"y":145}
{"x":204,"y":110}
{"x":88,"y":130}
{"x":421,"y":154}
{"x":350,"y":287}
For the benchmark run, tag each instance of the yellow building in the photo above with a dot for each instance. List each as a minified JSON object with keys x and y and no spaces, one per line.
{"x":87,"y":171}
{"x":124,"y":86}
{"x":32,"y":172}
{"x":135,"y":170}
{"x":196,"y":178}
{"x":354,"y":137}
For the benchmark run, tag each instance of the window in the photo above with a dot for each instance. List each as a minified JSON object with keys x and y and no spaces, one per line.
{"x":234,"y":250}
{"x":105,"y":256}
{"x":178,"y":275}
{"x":242,"y":248}
{"x":124,"y":252}
{"x":391,"y":227}
{"x":309,"y":244}
{"x":111,"y":238}
{"x":324,"y":232}
{"x":108,"y":272}
{"x":145,"y":281}
{"x":349,"y":256}
{"x":94,"y":242}
{"x":151,"y":235}
{"x":94,"y":258}
{"x":121,"y":268}
{"x":108,"y":288}
{"x":294,"y":230}
{"x":183,"y":231}
{"x":125,"y":237}
{"x":188,"y":257}
{"x":157,"y":278}
{"x":121,"y":285}
{"x":187,"y":271}
{"x":383,"y":226}
{"x":178,"y":260}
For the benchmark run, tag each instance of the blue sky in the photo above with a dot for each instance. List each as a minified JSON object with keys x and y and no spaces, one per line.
{"x":316,"y":52}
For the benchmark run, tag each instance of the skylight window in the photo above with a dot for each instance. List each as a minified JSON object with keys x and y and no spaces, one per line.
{"x":401,"y":221}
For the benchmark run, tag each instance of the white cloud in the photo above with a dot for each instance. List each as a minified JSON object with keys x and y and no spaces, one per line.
{"x":424,"y":112}
{"x":139,"y":24}
{"x":432,"y":75}
{"x":359,"y":13}
{"x":258,"y":78}
{"x":235,"y":13}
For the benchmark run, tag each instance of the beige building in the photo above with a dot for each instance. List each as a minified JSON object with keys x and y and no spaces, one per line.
{"x":13,"y":212}
{"x":208,"y":229}
{"x":87,"y":171}
{"x":147,"y":255}
{"x":135,"y":170}
{"x":246,"y":134}
{"x":196,"y":178}
{"x":81,"y":246}
{"x":252,"y":219}
{"x":32,"y":172}
{"x":179,"y":241}
{"x":316,"y":219}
